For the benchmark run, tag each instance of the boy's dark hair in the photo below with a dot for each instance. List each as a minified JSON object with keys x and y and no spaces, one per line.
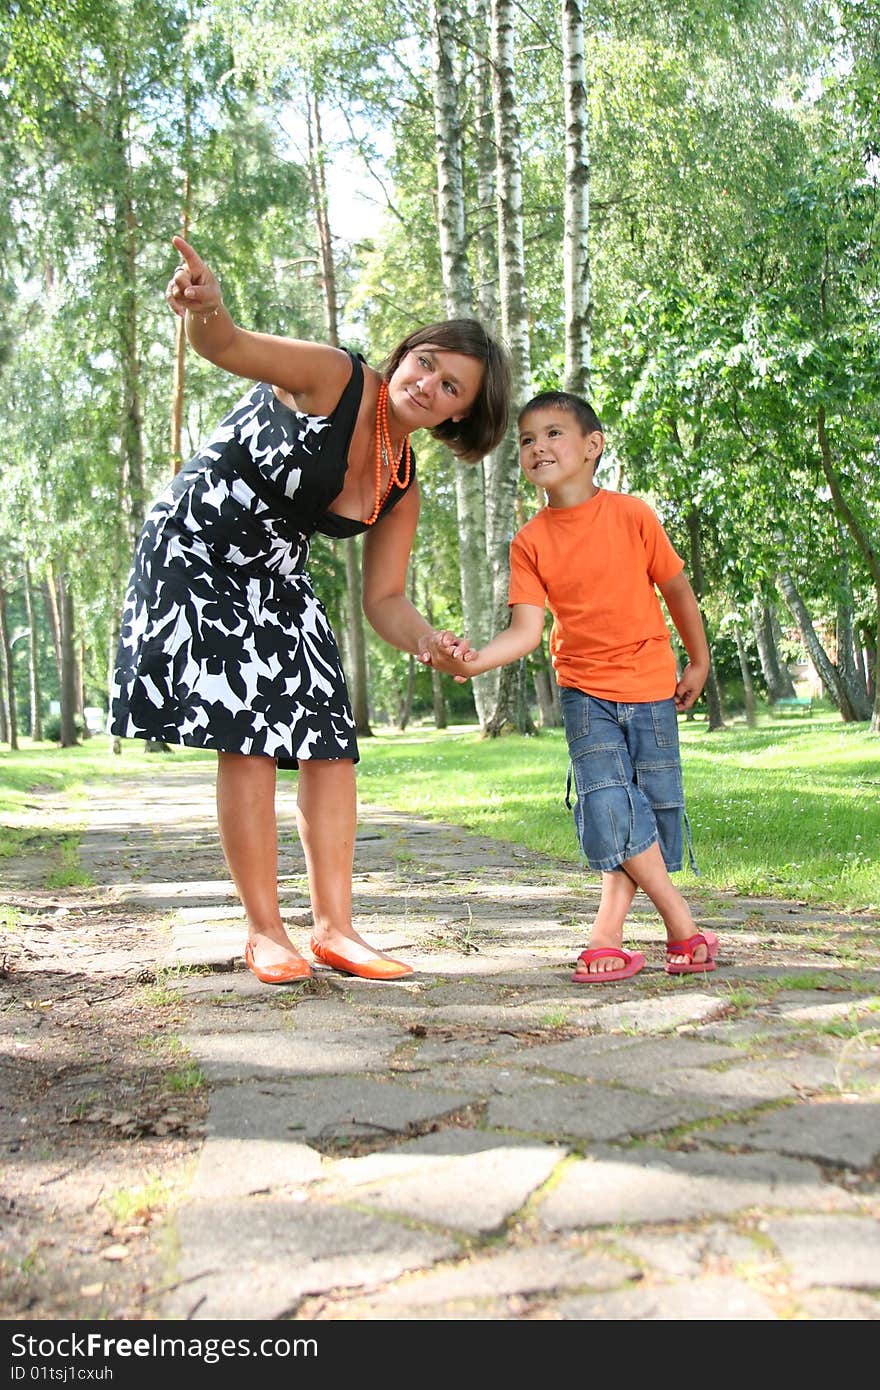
{"x":582,"y":411}
{"x":483,"y":428}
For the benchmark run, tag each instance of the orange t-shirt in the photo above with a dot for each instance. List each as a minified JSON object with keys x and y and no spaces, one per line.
{"x":595,"y":566}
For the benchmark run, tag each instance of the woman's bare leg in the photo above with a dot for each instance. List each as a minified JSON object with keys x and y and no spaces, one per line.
{"x":249,"y":835}
{"x":326,"y":818}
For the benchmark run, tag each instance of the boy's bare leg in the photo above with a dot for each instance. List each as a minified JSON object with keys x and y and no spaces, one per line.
{"x":648,"y":872}
{"x":618,"y":891}
{"x":249,"y":835}
{"x":326,"y":818}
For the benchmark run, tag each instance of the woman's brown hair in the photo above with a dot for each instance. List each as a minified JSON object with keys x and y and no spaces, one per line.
{"x":475,"y":436}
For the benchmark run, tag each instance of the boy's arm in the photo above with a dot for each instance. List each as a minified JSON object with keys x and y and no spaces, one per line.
{"x":685,"y":613}
{"x":521,"y":637}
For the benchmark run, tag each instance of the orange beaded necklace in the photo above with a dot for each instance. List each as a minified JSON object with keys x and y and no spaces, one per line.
{"x":385,"y":451}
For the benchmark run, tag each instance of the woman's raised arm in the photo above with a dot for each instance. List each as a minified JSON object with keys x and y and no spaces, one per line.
{"x":314,"y":373}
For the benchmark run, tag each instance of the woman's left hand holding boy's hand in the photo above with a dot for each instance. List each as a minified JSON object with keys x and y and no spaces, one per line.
{"x":446,"y":652}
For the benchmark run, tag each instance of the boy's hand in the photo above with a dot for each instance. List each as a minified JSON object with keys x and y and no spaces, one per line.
{"x":446,"y":652}
{"x":690,"y":687}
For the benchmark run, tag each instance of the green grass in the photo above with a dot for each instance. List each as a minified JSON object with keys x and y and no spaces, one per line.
{"x":788,"y":810}
{"x":38,"y":768}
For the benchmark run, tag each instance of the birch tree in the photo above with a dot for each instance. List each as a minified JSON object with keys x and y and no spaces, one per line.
{"x":576,"y":250}
{"x":459,"y":299}
{"x":502,"y":480}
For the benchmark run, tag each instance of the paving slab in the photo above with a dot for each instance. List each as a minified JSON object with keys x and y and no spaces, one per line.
{"x":838,"y":1305}
{"x":715,"y":1300}
{"x":629,"y":1062}
{"x":274,"y":1052}
{"x":713,"y":1249}
{"x":588,"y":1112}
{"x":524,"y":1274}
{"x":237,"y":1257}
{"x":829,"y":1250}
{"x":461,"y":1179}
{"x":846,"y":1133}
{"x":649,"y":1185}
{"x":485,"y":1140}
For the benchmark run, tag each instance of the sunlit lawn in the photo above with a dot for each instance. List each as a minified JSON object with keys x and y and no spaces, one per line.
{"x":791,"y":809}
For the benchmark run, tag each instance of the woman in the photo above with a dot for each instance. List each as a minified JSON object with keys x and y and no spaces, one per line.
{"x":223,"y":643}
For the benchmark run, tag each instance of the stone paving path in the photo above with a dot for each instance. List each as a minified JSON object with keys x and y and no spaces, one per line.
{"x":486,"y":1140}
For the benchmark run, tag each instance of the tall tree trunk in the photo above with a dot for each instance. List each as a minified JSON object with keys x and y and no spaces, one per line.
{"x":405,"y":697}
{"x":50,"y":598}
{"x":852,"y":672}
{"x":748,"y":687}
{"x":714,"y":707}
{"x":357,"y":642}
{"x":179,"y":384}
{"x":862,"y":539}
{"x":132,"y":413}
{"x":68,"y":663}
{"x":36,"y":701}
{"x":458,"y":294}
{"x":546,"y":690}
{"x":80,"y":689}
{"x":576,"y":252}
{"x":828,"y":672}
{"x":10,"y":716}
{"x":501,"y":485}
{"x":437,"y":697}
{"x":405,"y":700}
{"x":777,"y":678}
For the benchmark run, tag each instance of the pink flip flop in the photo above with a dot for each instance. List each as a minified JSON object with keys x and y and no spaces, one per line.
{"x":687,"y":948}
{"x":632,"y":964}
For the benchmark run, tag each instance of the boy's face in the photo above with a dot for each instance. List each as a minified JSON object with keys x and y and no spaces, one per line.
{"x":553,"y":451}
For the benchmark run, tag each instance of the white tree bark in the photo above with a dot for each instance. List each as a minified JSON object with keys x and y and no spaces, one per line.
{"x":501,"y":485}
{"x":576,"y":250}
{"x":458,"y":291}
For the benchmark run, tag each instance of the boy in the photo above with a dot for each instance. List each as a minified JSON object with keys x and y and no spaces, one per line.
{"x":595,"y":557}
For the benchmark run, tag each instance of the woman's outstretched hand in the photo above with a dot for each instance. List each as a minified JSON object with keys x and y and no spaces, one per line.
{"x":193,"y":285}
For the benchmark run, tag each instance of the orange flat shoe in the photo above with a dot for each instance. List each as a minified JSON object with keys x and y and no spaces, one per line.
{"x":277,"y":974}
{"x":368,"y":970}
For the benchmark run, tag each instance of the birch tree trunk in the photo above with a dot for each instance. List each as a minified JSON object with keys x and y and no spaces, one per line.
{"x":68,"y":663}
{"x":501,"y":483}
{"x":36,"y":699}
{"x":132,"y":413}
{"x":438,"y":699}
{"x":713,"y":691}
{"x":779,"y":683}
{"x":352,"y":545}
{"x":458,"y":293}
{"x":50,"y":598}
{"x":576,"y":252}
{"x":828,"y":672}
{"x":862,"y":539}
{"x":852,"y":672}
{"x":748,"y":687}
{"x":10,"y":716}
{"x":179,"y":382}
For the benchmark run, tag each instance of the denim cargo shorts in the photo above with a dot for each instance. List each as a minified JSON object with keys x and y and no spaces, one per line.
{"x":626,"y":770}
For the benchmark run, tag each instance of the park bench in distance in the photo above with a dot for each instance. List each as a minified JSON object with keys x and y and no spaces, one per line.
{"x":794,"y":705}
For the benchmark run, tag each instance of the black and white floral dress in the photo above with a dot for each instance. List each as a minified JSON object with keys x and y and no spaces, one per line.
{"x":223,"y":643}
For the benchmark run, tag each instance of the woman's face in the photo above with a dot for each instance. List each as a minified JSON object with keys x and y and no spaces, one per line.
{"x":431,"y":385}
